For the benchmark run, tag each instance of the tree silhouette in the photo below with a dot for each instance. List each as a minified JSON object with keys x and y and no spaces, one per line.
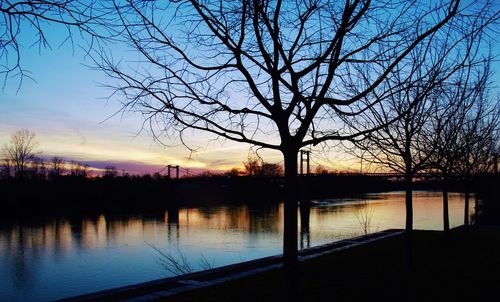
{"x":273,"y":74}
{"x":480,"y":134}
{"x":258,"y":167}
{"x":20,"y":150}
{"x":477,"y":137}
{"x":6,"y":172}
{"x":56,"y":167}
{"x":22,"y":21}
{"x":38,"y":168}
{"x":402,"y":146}
{"x":252,"y":166}
{"x":452,"y":127}
{"x":110,"y":172}
{"x":78,"y":170}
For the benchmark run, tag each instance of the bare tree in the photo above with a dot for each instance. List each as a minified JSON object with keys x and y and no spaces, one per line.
{"x":271,"y":169}
{"x":176,"y":262}
{"x":56,"y":167}
{"x":252,"y":166}
{"x":414,"y":94}
{"x":6,"y":168}
{"x":273,"y":74}
{"x":258,"y":167}
{"x":25,"y":24}
{"x":78,"y":170}
{"x":397,"y":146}
{"x":455,"y":117}
{"x":320,"y":169}
{"x":477,"y":139}
{"x":234,"y":172}
{"x":20,"y":150}
{"x":110,"y":172}
{"x":38,"y":168}
{"x":364,"y":215}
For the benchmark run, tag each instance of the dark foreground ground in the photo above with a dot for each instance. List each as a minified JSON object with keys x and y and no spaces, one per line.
{"x":464,"y":268}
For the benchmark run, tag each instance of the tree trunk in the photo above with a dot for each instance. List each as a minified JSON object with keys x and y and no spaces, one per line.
{"x":290,"y":240}
{"x":446,"y":218}
{"x":466,"y":206}
{"x":409,"y":219}
{"x":476,"y":207}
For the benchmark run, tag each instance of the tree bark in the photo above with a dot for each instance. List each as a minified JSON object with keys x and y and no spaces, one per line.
{"x":290,"y":240}
{"x":409,"y":219}
{"x":446,"y":218}
{"x":476,"y":204}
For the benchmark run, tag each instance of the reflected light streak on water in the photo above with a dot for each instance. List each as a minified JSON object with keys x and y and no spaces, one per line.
{"x":42,"y":261}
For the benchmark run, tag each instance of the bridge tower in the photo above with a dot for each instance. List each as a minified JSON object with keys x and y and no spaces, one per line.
{"x":169,"y":167}
{"x":307,"y":159}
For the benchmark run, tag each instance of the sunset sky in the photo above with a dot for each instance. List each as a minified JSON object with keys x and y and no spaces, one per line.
{"x":67,"y":109}
{"x":69,"y":113}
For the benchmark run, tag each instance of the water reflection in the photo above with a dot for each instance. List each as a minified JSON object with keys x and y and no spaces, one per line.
{"x":305,"y":235}
{"x":67,"y":256}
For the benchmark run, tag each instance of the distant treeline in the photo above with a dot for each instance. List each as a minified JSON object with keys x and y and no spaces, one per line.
{"x":70,"y":194}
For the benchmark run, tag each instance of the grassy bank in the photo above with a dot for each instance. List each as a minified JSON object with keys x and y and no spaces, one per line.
{"x":465,"y":268}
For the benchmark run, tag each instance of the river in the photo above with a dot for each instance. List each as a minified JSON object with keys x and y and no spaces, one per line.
{"x":65,"y":256}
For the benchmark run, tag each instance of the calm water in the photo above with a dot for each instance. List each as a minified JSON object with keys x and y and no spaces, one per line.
{"x":70,"y":256}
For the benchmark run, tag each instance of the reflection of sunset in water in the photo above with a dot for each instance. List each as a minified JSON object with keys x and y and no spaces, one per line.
{"x":384,"y":211}
{"x":84,"y":254}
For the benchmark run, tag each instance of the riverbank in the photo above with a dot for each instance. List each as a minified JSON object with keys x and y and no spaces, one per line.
{"x":465,"y":268}
{"x":69,"y":195}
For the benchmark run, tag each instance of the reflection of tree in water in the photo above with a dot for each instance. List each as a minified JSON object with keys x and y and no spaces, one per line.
{"x":172,"y":221}
{"x":76,"y":230}
{"x":364,"y":213}
{"x":209,"y":212}
{"x":28,"y":243}
{"x":22,"y":253}
{"x":238,"y":217}
{"x":57,"y":228}
{"x":263,"y":218}
{"x":305,"y":235}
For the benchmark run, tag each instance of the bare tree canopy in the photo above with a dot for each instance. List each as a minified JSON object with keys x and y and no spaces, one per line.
{"x":56,"y":167}
{"x":258,"y":167}
{"x":25,"y":24}
{"x":20,"y":150}
{"x":419,"y":96}
{"x":275,"y":74}
{"x":479,"y":134}
{"x":245,"y":70}
{"x":465,"y":117}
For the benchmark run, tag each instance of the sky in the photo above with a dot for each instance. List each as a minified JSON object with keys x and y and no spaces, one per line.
{"x":67,"y":108}
{"x":71,"y":117}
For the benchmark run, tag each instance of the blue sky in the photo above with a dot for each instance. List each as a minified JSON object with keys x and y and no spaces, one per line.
{"x":67,"y":107}
{"x":72,"y":118}
{"x":68,"y":110}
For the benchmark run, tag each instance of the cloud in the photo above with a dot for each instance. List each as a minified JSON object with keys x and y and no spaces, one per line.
{"x":131,"y":167}
{"x":83,"y":139}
